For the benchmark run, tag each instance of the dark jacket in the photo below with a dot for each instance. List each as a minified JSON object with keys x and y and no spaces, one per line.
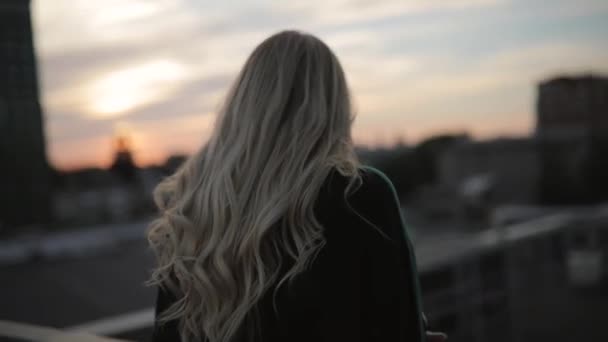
{"x":362,"y":286}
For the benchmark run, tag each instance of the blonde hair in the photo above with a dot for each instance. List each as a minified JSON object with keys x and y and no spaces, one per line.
{"x":244,"y":202}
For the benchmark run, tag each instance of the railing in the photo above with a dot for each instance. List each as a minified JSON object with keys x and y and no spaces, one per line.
{"x":482,"y":286}
{"x":118,"y":325}
{"x":470,"y":290}
{"x":29,"y":332}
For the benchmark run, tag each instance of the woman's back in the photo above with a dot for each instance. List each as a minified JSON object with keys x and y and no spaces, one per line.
{"x":361,"y":286}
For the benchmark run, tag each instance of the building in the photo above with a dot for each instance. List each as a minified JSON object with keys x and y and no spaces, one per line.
{"x":119,"y":194}
{"x":24,"y":171}
{"x":572,"y":106}
{"x":572,"y":124}
{"x":491,"y":173}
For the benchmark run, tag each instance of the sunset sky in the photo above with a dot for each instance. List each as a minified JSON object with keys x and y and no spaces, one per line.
{"x":158,"y":69}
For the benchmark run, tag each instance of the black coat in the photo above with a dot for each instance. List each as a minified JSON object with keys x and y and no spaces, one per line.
{"x":362,"y":286}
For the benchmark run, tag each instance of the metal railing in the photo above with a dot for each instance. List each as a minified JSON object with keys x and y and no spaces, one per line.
{"x":29,"y":332}
{"x":468,"y":291}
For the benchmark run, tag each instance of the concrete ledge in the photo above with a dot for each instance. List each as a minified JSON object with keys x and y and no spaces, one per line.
{"x":37,"y":333}
{"x":117,"y":325}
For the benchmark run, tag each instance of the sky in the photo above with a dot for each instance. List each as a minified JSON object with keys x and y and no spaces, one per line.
{"x":157,"y":70}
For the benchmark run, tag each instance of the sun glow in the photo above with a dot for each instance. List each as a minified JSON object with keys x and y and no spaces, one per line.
{"x":118,"y":92}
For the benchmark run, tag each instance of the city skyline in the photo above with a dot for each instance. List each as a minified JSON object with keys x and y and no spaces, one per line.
{"x":159,"y":69}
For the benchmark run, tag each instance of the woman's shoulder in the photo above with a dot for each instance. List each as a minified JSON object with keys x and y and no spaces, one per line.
{"x":371,"y":184}
{"x":376,"y":181}
{"x":373,"y":200}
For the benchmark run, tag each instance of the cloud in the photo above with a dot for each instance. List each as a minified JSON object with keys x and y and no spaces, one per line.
{"x":121,"y":90}
{"x":333,"y":14}
{"x":63,"y":25}
{"x":197,"y":96}
{"x":415,"y":66}
{"x":496,"y":96}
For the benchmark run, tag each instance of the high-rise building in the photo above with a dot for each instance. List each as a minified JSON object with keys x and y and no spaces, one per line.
{"x":24,"y":171}
{"x":573,"y":106}
{"x":572,"y":122}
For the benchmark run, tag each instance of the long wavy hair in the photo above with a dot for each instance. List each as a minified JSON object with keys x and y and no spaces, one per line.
{"x":233,"y":213}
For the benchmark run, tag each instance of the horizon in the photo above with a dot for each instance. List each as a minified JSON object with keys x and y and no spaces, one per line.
{"x":415,"y":68}
{"x":392,"y":145}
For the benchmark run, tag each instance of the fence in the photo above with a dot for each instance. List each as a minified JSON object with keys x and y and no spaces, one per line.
{"x":473,"y":287}
{"x":482,"y":291}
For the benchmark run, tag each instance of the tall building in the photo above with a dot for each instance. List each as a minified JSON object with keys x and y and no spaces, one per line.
{"x":573,"y":106}
{"x":572,"y":124}
{"x":24,"y":171}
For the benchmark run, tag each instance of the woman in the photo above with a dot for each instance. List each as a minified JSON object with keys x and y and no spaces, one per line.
{"x":273,"y":231}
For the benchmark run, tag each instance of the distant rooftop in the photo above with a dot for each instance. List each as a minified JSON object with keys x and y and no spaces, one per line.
{"x":573,"y":80}
{"x":493,"y":146}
